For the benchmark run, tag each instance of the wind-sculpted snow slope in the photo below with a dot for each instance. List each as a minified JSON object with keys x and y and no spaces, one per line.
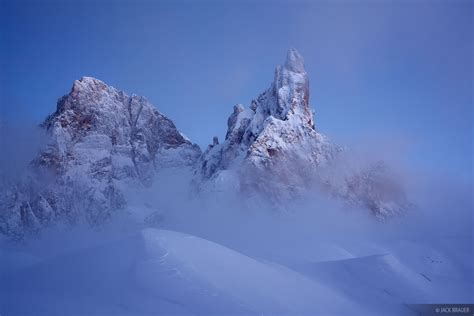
{"x":170,"y":273}
{"x":390,"y":282}
{"x":166,"y":272}
{"x":218,"y":277}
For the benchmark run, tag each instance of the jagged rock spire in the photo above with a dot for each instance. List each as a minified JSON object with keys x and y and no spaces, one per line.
{"x":272,"y":148}
{"x":294,"y":61}
{"x":278,"y":123}
{"x":291,"y":88}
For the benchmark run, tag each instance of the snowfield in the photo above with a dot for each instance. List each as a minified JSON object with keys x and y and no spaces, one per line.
{"x":209,"y":276}
{"x":165,"y":272}
{"x":169,"y":272}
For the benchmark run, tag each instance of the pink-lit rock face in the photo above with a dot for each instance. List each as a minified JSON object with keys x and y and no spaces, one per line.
{"x":106,"y":118}
{"x":101,"y":138}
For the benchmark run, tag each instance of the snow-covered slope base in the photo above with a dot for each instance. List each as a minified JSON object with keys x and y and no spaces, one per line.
{"x":165,"y":271}
{"x":207,"y":276}
{"x":170,"y":273}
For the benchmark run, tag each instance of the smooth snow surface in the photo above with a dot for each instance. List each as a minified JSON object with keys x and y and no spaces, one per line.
{"x":164,"y":272}
{"x":167,"y":272}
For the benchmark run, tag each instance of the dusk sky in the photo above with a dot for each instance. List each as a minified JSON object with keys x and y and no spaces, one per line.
{"x":383,"y":72}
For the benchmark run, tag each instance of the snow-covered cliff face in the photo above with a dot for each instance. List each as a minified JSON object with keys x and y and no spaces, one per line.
{"x":279,"y":124}
{"x":94,"y":122}
{"x":101,"y":141}
{"x":273,"y":148}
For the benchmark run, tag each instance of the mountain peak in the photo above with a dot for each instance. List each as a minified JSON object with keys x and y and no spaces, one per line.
{"x":101,"y":140}
{"x":294,"y":61}
{"x":291,"y":88}
{"x":88,"y":82}
{"x":86,"y":87}
{"x":87,"y":79}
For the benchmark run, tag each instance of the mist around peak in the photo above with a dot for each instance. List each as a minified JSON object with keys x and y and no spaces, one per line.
{"x":184,"y":253}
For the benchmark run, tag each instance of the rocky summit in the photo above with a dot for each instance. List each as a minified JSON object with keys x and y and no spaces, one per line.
{"x":273,"y":147}
{"x":103,"y":140}
{"x":278,"y":125}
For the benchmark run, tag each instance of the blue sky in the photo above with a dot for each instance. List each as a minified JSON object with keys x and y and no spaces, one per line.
{"x":398,"y":75}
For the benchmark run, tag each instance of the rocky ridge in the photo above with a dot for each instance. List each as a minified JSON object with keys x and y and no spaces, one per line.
{"x":101,"y":140}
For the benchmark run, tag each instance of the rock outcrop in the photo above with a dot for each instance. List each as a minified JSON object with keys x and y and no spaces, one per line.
{"x":273,"y":148}
{"x":101,"y":140}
